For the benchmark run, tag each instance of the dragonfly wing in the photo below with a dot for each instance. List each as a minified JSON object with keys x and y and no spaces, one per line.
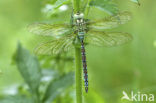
{"x":57,"y":46}
{"x":110,"y":22}
{"x":44,"y":29}
{"x":108,"y":39}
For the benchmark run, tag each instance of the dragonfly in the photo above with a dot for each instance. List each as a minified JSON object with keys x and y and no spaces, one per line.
{"x":84,"y":30}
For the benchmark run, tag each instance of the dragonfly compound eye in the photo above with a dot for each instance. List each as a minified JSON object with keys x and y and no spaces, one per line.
{"x":81,"y":15}
{"x":78,"y":16}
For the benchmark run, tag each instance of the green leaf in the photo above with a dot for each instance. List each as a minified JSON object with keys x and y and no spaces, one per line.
{"x":136,"y":1}
{"x":59,"y":3}
{"x":58,"y":86}
{"x":52,"y":1}
{"x":54,"y":7}
{"x":16,"y":99}
{"x":106,"y":5}
{"x":29,"y":68}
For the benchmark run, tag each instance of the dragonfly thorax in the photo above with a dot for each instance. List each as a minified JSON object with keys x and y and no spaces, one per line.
{"x":80,"y":25}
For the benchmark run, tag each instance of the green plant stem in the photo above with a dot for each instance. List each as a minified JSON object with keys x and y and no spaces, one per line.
{"x":76,"y":5}
{"x":87,"y":8}
{"x":36,"y":97}
{"x":78,"y":75}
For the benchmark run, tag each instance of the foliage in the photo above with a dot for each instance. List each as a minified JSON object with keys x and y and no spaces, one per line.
{"x":106,"y":5}
{"x":65,"y":41}
{"x":29,"y":68}
{"x":136,"y":1}
{"x":57,"y":86}
{"x":16,"y":99}
{"x":31,"y":71}
{"x":59,"y":3}
{"x":54,"y":6}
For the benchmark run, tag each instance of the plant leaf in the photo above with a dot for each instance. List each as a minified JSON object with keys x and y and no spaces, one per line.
{"x":136,"y":1}
{"x":29,"y":68}
{"x":58,"y":86}
{"x":107,"y":5}
{"x":52,"y":1}
{"x":107,"y":39}
{"x":16,"y":99}
{"x":59,"y":3}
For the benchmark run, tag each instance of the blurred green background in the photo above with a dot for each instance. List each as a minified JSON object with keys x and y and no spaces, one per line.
{"x":111,"y":70}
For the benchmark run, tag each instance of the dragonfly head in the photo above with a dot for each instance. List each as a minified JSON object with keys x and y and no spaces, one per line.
{"x":78,"y":15}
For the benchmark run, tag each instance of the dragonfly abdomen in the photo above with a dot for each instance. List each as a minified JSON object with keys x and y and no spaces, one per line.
{"x":84,"y":66}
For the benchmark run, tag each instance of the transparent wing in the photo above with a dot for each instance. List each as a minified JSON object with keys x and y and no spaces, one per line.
{"x":44,"y":29}
{"x":99,"y":38}
{"x":57,"y":46}
{"x":110,"y":22}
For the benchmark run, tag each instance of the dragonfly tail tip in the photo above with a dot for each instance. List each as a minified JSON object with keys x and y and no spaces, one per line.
{"x":86,"y":89}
